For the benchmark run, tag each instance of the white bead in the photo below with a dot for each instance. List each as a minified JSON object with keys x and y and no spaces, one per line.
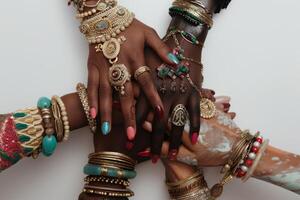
{"x":86,"y":14}
{"x":244,"y":168}
{"x":65,"y":118}
{"x":252,"y":156}
{"x":242,"y":162}
{"x":256,"y":144}
{"x":114,"y":35}
{"x":90,"y":13}
{"x":118,"y":31}
{"x":122,"y":28}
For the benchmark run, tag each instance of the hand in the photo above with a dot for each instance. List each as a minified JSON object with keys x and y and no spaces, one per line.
{"x":138,"y":36}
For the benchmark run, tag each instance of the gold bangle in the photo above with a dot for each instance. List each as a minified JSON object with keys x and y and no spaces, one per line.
{"x":83,"y":95}
{"x":110,"y":180}
{"x":64,"y":116}
{"x":58,"y":123}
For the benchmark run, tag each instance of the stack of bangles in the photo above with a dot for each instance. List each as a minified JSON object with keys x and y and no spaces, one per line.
{"x":102,"y":24}
{"x":40,"y":129}
{"x":112,"y":169}
{"x":192,"y":188}
{"x":192,"y":11}
{"x":243,"y":160}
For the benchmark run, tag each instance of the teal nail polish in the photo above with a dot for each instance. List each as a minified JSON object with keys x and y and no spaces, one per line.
{"x":173,"y":58}
{"x":105,"y":128}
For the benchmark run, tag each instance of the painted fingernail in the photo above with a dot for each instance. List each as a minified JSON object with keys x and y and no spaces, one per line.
{"x":173,"y":154}
{"x":130,"y":133}
{"x":105,"y":128}
{"x":129,"y":145}
{"x":154,"y":158}
{"x":93,"y":112}
{"x":173,"y":58}
{"x":226,"y":105}
{"x":194,"y":138}
{"x":159,"y":112}
{"x":144,"y":154}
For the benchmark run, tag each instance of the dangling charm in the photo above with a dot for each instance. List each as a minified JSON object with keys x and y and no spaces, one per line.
{"x":118,"y":76}
{"x":208,"y":108}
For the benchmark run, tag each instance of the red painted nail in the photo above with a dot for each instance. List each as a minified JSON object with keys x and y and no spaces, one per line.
{"x":131,"y":133}
{"x":194,"y":138}
{"x":173,"y":154}
{"x":93,"y":112}
{"x":159,"y":112}
{"x":129,"y":145}
{"x":144,"y":154}
{"x":154,"y":158}
{"x":226,"y":105}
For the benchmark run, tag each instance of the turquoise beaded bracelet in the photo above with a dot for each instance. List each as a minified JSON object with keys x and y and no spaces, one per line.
{"x":96,"y":170}
{"x":49,"y":142}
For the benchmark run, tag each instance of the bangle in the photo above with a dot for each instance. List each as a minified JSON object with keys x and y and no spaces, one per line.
{"x":103,"y":179}
{"x":96,"y":170}
{"x":58,"y":123}
{"x":99,"y":7}
{"x":64,"y":116}
{"x":82,"y":93}
{"x":49,"y":143}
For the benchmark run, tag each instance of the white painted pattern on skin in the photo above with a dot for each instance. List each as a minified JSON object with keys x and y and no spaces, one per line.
{"x":289,"y":180}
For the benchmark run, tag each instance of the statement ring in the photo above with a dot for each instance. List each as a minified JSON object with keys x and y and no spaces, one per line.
{"x":140,"y":71}
{"x":118,"y":76}
{"x":179,"y":116}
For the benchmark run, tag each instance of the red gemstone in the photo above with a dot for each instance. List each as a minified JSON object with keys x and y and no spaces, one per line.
{"x":240,"y":173}
{"x":259,"y":139}
{"x":249,"y":163}
{"x":254,"y":149}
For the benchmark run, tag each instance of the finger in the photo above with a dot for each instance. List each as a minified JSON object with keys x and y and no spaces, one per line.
{"x":149,"y":89}
{"x":163,"y":51}
{"x":93,"y":87}
{"x":105,"y":100}
{"x":128,"y":110}
{"x":157,"y":138}
{"x":194,"y":111}
{"x":142,"y":109}
{"x":178,"y":117}
{"x":147,"y":125}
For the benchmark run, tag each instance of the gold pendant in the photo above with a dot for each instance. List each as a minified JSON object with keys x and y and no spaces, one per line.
{"x":208,"y":108}
{"x":118,"y":76}
{"x":111,"y":48}
{"x":216,"y":191}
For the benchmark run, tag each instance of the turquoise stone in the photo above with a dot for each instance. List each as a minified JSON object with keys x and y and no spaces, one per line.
{"x":92,"y":170}
{"x":102,"y":25}
{"x":43,"y":103}
{"x":18,"y":115}
{"x":24,"y":138}
{"x":129,"y":174}
{"x":112,"y":173}
{"x":21,"y":126}
{"x":49,"y":145}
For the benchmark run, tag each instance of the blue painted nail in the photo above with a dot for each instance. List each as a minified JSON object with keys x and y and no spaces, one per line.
{"x":173,"y":58}
{"x":105,"y":128}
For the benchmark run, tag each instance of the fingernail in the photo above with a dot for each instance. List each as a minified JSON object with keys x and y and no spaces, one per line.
{"x":159,"y":112}
{"x":173,"y":154}
{"x":93,"y":112}
{"x":105,"y":128}
{"x":144,"y":154}
{"x":226,"y":105}
{"x":130,"y":133}
{"x":154,"y":158}
{"x":213,"y":92}
{"x":129,"y":145}
{"x":173,"y":58}
{"x":194,"y":138}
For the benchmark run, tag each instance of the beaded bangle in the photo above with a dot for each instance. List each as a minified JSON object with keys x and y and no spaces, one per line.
{"x":96,"y":170}
{"x":102,"y":179}
{"x":82,"y":93}
{"x":108,"y":192}
{"x":59,"y":127}
{"x":64,"y":116}
{"x":99,"y":7}
{"x":49,"y":143}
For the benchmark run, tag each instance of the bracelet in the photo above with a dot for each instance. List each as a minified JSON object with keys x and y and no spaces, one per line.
{"x":102,"y":179}
{"x":108,"y":192}
{"x":58,"y":123}
{"x":242,"y":157}
{"x":82,"y":93}
{"x":99,"y":7}
{"x":64,"y":116}
{"x":49,"y":142}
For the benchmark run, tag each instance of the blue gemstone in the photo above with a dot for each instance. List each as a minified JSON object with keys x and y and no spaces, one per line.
{"x":49,"y":145}
{"x":43,"y":103}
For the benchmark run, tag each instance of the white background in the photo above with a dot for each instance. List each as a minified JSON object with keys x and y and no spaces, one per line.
{"x":252,"y":54}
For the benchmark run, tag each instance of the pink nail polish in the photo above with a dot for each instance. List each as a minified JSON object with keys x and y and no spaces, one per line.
{"x":173,"y":154}
{"x":93,"y":112}
{"x":130,"y":133}
{"x":194,"y":138}
{"x":154,"y":158}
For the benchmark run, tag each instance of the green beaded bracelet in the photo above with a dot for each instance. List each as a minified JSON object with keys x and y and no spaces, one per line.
{"x":186,"y":15}
{"x":96,"y":170}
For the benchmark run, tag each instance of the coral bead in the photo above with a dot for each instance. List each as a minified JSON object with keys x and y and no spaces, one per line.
{"x":240,"y":173}
{"x":249,"y":162}
{"x":254,"y":149}
{"x":259,"y":139}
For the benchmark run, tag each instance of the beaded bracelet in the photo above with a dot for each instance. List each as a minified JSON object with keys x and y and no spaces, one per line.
{"x":103,"y":179}
{"x":49,"y":143}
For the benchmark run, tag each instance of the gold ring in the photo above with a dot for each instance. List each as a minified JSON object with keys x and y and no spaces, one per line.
{"x":180,"y":115}
{"x":140,"y":71}
{"x":208,"y":108}
{"x":118,"y":76}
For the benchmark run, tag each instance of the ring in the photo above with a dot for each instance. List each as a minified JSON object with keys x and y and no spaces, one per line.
{"x":180,"y":115}
{"x":208,"y":108}
{"x":140,"y":71}
{"x":118,"y":76}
